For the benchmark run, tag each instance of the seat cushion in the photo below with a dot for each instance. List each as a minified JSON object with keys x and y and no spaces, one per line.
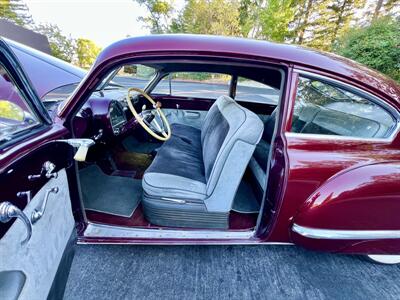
{"x":178,"y":169}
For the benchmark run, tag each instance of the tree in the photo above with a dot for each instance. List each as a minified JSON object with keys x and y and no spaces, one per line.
{"x":15,"y":11}
{"x":87,"y":51}
{"x":62,"y":47}
{"x":249,"y":17}
{"x":376,"y":46}
{"x":275,"y":20}
{"x":160,"y":18}
{"x":219,"y":17}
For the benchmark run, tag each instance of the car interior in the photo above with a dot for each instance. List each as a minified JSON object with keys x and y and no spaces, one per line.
{"x":179,"y":144}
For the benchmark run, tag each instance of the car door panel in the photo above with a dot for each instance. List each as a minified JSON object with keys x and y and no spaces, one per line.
{"x":37,"y":226}
{"x":38,"y":259}
{"x":193,"y":118}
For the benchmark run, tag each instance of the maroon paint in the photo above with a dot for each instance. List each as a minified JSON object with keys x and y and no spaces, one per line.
{"x":300,"y":166}
{"x":198,"y":45}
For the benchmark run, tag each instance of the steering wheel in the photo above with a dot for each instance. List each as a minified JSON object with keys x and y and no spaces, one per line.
{"x":148,"y":118}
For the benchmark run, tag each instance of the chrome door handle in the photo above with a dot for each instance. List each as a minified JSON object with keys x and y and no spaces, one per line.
{"x":39,"y":211}
{"x":9,"y":211}
{"x":47,"y":170}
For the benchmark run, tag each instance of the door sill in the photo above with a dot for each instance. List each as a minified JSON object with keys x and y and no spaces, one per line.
{"x":106,"y":234}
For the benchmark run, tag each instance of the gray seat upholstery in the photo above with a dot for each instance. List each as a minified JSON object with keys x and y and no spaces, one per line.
{"x":259,"y":161}
{"x":194,"y":177}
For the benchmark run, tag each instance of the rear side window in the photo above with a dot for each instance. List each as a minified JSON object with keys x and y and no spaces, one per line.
{"x":322,"y":108}
{"x":248,"y":90}
{"x":15,"y":114}
{"x":194,"y":85}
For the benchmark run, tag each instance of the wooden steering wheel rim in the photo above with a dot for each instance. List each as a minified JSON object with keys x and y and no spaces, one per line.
{"x":140,"y":119}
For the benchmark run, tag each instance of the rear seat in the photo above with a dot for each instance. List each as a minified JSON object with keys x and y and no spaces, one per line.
{"x":259,"y":161}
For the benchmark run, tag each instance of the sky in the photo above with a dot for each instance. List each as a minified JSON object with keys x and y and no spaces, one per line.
{"x":101,"y":21}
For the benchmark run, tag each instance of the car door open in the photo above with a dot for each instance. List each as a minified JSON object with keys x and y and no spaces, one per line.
{"x":37,"y":227}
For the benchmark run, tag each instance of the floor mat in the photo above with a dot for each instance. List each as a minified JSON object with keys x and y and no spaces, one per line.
{"x":109,"y":194}
{"x":133,"y":145}
{"x":245,"y":201}
{"x":133,"y":161}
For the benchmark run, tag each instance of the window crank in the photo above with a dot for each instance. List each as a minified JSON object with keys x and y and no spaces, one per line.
{"x":9,"y":211}
{"x":39,"y":211}
{"x":47,"y":169}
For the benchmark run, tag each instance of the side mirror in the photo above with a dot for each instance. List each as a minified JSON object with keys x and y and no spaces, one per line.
{"x":83,"y":146}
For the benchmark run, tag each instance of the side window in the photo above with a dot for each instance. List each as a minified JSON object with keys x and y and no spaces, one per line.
{"x":194,"y":85}
{"x":253,"y":91}
{"x":321,"y":108}
{"x":15,"y":115}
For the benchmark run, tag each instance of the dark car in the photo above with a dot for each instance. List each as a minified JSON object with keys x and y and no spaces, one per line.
{"x":184,"y":139}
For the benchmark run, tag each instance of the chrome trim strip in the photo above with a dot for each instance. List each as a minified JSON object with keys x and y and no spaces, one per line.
{"x":106,"y":231}
{"x":191,"y":242}
{"x":387,"y":106}
{"x":333,"y":234}
{"x":340,"y":138}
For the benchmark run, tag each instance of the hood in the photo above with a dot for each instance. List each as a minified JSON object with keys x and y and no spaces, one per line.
{"x":45,"y":71}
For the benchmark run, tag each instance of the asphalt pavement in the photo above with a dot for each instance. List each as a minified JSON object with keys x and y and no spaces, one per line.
{"x":225,"y":272}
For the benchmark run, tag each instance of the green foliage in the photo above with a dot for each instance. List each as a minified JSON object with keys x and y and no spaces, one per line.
{"x":275,"y":20}
{"x":377,"y":46}
{"x":160,"y":12}
{"x":219,"y":17}
{"x":15,"y":11}
{"x":87,"y":52}
{"x":61,"y":46}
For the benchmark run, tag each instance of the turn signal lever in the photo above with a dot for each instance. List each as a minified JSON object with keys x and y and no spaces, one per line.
{"x":83,"y":146}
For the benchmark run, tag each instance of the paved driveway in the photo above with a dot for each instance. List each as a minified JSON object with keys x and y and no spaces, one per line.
{"x":226,"y":272}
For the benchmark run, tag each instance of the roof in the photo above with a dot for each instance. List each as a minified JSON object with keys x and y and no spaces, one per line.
{"x":204,"y":44}
{"x":45,"y":71}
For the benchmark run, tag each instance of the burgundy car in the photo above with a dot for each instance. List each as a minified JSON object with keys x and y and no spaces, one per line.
{"x":182,"y":139}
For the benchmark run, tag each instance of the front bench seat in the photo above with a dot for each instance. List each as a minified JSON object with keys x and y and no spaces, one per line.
{"x":193,"y":179}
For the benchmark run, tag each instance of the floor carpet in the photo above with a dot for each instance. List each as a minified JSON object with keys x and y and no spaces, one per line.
{"x":245,"y":201}
{"x":109,"y":194}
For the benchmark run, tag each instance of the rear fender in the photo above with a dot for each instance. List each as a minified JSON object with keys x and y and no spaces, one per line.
{"x":354,"y":212}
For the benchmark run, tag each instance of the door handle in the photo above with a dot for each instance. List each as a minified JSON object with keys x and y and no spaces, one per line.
{"x":9,"y":211}
{"x":189,"y":114}
{"x":47,"y":170}
{"x":39,"y":211}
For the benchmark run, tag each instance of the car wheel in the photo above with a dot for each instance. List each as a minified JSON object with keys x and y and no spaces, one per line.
{"x":384,"y":259}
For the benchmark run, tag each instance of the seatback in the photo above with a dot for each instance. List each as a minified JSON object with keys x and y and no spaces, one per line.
{"x":229,"y":135}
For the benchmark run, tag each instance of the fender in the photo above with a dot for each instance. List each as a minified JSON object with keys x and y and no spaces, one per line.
{"x":356,"y":211}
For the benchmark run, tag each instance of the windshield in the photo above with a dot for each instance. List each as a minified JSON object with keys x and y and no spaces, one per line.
{"x":135,"y":75}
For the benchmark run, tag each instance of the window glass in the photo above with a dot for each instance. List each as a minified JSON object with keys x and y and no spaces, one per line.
{"x":135,"y":75}
{"x":321,"y":108}
{"x":15,"y":115}
{"x":253,"y":91}
{"x":194,"y":85}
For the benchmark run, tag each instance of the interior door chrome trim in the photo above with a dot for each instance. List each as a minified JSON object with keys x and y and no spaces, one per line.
{"x":107,"y":231}
{"x":9,"y":211}
{"x":339,"y":234}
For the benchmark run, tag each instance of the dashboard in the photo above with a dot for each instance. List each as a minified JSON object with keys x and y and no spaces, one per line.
{"x":117,"y":117}
{"x":106,"y":111}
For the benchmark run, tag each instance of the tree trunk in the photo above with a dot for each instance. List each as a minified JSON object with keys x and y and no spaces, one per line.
{"x":377,"y":9}
{"x":304,"y":24}
{"x":339,"y":21}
